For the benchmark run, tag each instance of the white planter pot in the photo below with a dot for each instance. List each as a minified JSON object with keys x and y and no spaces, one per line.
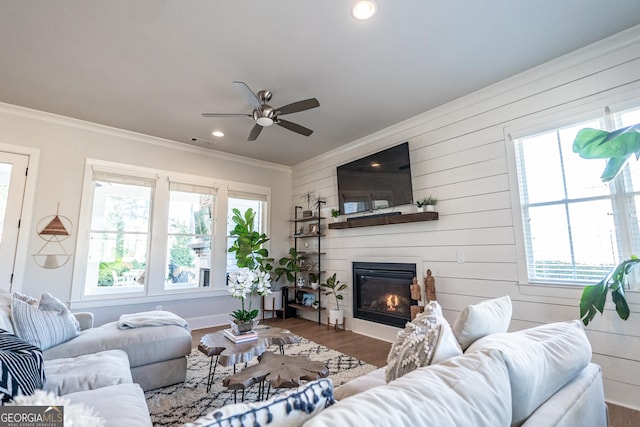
{"x":336,"y":316}
{"x":273,"y":301}
{"x":430,"y":208}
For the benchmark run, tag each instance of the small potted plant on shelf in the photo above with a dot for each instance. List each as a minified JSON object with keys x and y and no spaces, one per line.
{"x":334,"y":288}
{"x":335,"y":213}
{"x":289,"y":266}
{"x":427,"y":203}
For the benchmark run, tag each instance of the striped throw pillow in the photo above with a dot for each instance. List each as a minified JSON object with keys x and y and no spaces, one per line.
{"x":44,"y":323}
{"x":22,"y":366}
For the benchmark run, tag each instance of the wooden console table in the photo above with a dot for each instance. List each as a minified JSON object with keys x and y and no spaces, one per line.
{"x":384,"y":220}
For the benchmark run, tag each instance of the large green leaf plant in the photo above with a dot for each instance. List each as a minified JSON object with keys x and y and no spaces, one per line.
{"x":248,"y":244}
{"x":618,"y":147}
{"x":595,"y":296}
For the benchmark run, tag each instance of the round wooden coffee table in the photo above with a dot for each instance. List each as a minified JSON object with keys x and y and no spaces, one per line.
{"x":228,"y":353}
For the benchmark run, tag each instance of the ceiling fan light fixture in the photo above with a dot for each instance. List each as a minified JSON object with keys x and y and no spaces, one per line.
{"x":264,"y":121}
{"x":217,"y":133}
{"x":364,"y":10}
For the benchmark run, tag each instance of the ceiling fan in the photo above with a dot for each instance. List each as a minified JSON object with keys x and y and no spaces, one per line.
{"x":264,"y":115}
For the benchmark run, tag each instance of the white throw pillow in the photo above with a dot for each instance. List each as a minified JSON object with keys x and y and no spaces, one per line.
{"x":43,"y":323}
{"x":283,"y":410}
{"x":425,"y":340}
{"x":540,"y":360}
{"x":471,"y":390}
{"x":482,"y":319}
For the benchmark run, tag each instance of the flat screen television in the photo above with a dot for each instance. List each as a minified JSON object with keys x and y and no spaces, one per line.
{"x":381,"y":180}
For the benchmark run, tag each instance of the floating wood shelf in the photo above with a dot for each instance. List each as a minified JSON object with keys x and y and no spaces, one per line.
{"x":384,"y":220}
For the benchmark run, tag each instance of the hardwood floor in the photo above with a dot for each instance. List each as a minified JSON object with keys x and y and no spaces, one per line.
{"x":375,"y":352}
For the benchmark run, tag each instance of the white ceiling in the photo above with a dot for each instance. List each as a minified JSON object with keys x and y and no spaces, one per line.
{"x":153,"y":66}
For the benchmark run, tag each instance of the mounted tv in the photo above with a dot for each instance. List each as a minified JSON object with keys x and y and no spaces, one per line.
{"x":381,"y":180}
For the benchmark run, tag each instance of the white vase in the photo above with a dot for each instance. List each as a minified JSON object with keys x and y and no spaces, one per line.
{"x":336,"y":317}
{"x":430,"y":208}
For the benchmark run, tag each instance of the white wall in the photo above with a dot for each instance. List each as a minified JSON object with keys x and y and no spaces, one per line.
{"x":460,"y":153}
{"x":62,"y":145}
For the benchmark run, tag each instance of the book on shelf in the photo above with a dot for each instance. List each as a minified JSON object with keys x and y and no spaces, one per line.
{"x":240,"y":338}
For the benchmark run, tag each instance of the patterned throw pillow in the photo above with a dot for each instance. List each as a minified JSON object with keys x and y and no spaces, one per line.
{"x":283,"y":410}
{"x":43,"y":323}
{"x":424,"y":341}
{"x":22,"y":366}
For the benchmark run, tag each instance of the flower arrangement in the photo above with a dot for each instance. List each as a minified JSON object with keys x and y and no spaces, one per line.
{"x":244,"y":283}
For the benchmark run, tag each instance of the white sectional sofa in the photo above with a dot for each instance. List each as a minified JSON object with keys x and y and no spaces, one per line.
{"x":538,"y":377}
{"x":104,"y":367}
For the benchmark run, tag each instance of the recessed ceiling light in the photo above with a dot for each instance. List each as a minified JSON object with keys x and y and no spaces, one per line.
{"x":363,"y":10}
{"x":217,"y":133}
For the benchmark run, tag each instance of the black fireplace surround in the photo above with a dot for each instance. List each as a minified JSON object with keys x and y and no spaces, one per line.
{"x":382,"y":292}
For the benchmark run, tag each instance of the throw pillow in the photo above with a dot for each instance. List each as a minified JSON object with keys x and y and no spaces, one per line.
{"x":424,"y":341}
{"x":283,"y":410}
{"x":76,"y":414}
{"x":482,"y":319}
{"x":22,"y":366}
{"x":43,"y":323}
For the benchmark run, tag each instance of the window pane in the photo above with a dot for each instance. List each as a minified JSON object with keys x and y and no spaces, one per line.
{"x":550,"y":250}
{"x":582,"y":175}
{"x":189,"y":240}
{"x":120,"y":207}
{"x":116,"y":260}
{"x":119,"y":238}
{"x":242,"y":205}
{"x":541,"y":169}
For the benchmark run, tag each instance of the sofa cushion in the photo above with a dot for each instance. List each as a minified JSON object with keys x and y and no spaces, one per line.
{"x":43,"y":323}
{"x":360,"y":384}
{"x":283,"y":410}
{"x":467,"y":390}
{"x":121,"y":405}
{"x":143,"y":345}
{"x":87,"y":372}
{"x":540,"y":360}
{"x":425,"y":340}
{"x":22,"y":366}
{"x":5,"y":311}
{"x":482,"y":319}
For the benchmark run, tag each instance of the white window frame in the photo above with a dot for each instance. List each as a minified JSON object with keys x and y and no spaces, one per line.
{"x":248,"y":194}
{"x":155,"y":290}
{"x":537,"y":125}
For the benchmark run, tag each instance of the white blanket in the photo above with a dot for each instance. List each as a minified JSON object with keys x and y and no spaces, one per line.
{"x":151,"y":318}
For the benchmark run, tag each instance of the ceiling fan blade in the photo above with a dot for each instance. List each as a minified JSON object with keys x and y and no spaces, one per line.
{"x":306,"y":104}
{"x":294,"y":127}
{"x":254,"y":133}
{"x":248,"y":93}
{"x":226,"y":115}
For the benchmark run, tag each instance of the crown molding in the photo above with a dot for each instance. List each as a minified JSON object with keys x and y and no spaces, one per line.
{"x":30,"y":113}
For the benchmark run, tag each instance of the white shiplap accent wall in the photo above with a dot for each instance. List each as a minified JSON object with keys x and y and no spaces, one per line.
{"x":461,"y":154}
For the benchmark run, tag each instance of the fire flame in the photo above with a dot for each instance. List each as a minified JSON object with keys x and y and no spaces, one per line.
{"x":392,"y":302}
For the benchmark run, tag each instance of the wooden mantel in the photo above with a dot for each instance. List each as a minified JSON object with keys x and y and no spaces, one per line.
{"x":384,"y":220}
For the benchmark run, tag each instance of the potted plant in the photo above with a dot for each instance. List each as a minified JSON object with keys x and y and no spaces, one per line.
{"x":594,"y":296}
{"x":289,"y":266}
{"x":253,"y":276}
{"x":427,"y":203}
{"x":335,"y":213}
{"x":334,"y":288}
{"x":314,"y":280}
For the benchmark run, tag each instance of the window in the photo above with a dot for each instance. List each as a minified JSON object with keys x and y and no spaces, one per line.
{"x":147,"y":232}
{"x":189,"y":235}
{"x":119,"y":233}
{"x":243,"y":201}
{"x":576,"y":228}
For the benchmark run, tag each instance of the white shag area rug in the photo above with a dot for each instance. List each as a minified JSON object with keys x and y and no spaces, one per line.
{"x":181,"y":403}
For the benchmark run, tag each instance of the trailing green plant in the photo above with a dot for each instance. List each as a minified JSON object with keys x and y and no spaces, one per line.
{"x":617,"y":146}
{"x":427,"y":201}
{"x":248,"y":245}
{"x":594,"y":296}
{"x":289,"y":266}
{"x":333,"y":287}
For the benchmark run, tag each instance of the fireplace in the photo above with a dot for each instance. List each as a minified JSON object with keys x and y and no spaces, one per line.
{"x":382,"y":293}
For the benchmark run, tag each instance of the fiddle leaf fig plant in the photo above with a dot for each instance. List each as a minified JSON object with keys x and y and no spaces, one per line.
{"x":289,"y":266}
{"x":617,"y":146}
{"x":334,"y":287}
{"x":594,"y":296}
